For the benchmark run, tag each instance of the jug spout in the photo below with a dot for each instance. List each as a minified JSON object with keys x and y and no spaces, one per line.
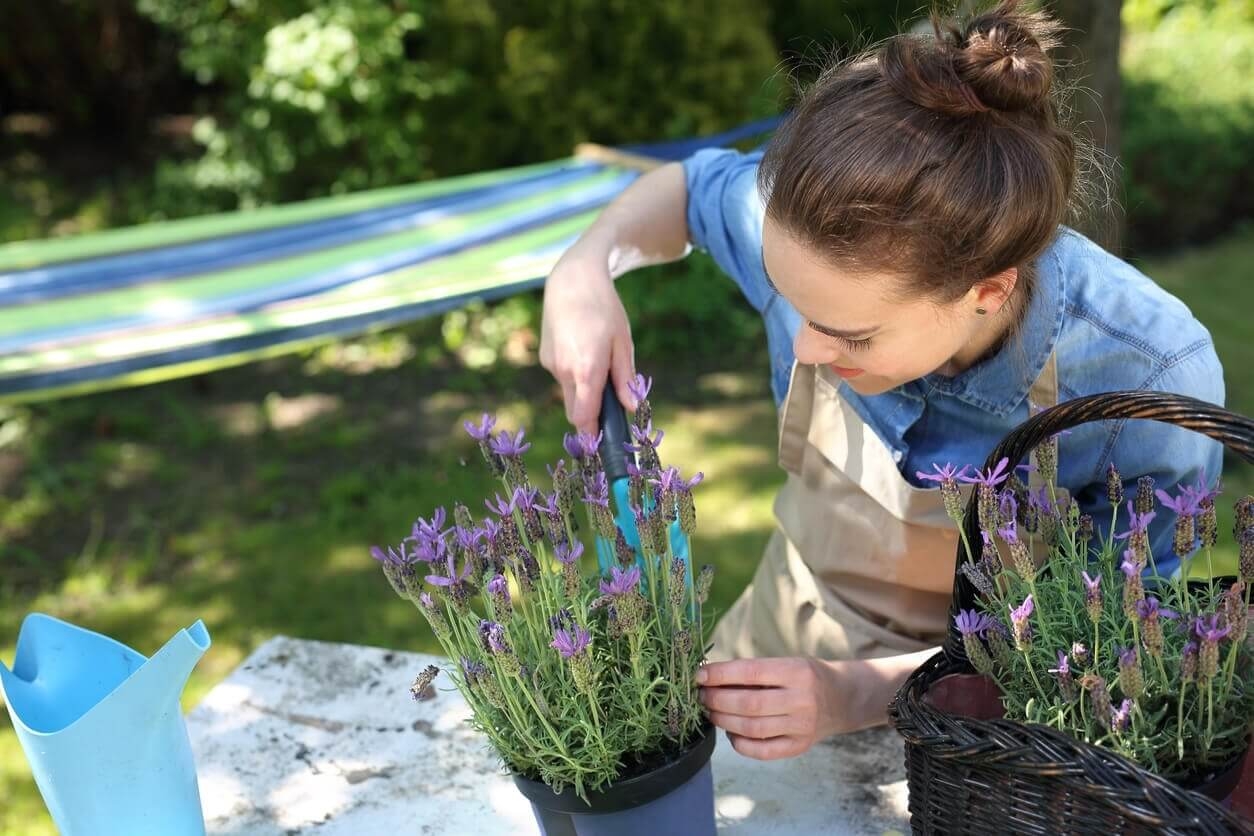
{"x":169,"y":667}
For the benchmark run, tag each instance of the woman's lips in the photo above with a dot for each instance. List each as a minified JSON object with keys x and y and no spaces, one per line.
{"x":846,"y":373}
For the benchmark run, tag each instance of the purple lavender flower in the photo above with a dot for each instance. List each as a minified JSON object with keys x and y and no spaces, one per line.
{"x":499,"y":587}
{"x":597,"y":491}
{"x":1131,"y":568}
{"x":1019,"y":621}
{"x":432,"y":529}
{"x":582,"y":446}
{"x":571,"y":644}
{"x":639,"y":386}
{"x":643,"y":438}
{"x":1009,"y":532}
{"x":622,"y":582}
{"x":668,"y":479}
{"x":1093,"y":595}
{"x":1120,"y":717}
{"x":1208,"y":629}
{"x":453,"y":576}
{"x":1080,"y":653}
{"x":947,"y":473}
{"x":568,"y":555}
{"x":972,"y":623}
{"x":1066,"y":684}
{"x":493,"y":637}
{"x":503,"y":508}
{"x":483,"y":431}
{"x":505,"y":446}
{"x":1008,"y":509}
{"x":992,"y":478}
{"x":1149,"y":608}
{"x":1185,"y":504}
{"x":1137,"y":523}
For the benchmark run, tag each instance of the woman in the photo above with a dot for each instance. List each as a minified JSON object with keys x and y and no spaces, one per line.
{"x":901,"y":236}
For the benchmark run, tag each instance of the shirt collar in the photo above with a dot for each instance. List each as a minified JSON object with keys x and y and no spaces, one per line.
{"x":1000,"y":383}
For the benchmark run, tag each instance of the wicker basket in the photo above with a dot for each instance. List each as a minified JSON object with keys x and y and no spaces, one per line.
{"x":969,"y":772}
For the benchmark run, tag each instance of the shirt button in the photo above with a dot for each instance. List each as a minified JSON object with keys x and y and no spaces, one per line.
{"x":897,"y":456}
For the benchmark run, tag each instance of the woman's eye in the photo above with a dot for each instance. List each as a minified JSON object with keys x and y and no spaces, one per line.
{"x":856,"y":345}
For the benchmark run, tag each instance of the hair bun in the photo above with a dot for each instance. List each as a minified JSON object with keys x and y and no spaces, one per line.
{"x":1002,"y":56}
{"x":998,"y":60}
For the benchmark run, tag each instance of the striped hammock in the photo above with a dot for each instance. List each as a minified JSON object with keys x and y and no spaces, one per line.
{"x":149,"y":303}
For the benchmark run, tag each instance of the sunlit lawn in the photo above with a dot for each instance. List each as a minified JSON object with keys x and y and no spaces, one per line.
{"x":249,"y":498}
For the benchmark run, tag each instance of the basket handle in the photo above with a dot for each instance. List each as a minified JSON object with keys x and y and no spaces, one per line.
{"x":1236,"y":432}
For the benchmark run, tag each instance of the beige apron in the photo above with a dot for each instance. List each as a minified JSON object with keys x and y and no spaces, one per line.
{"x":861,"y":563}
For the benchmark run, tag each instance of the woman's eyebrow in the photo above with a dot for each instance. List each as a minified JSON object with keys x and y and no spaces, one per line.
{"x":822,"y":329}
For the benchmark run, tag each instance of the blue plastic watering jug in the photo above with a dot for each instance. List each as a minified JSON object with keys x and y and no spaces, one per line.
{"x":102,"y":729}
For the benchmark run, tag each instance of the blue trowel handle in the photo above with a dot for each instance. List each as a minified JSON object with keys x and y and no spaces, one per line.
{"x":614,"y":435}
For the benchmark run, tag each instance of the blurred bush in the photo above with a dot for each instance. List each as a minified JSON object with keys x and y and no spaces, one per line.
{"x":340,"y":95}
{"x":1188,"y":119}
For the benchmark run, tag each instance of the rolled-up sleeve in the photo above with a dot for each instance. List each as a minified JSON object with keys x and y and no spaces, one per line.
{"x":725,"y":214}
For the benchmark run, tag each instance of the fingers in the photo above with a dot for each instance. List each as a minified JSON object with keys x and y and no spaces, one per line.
{"x":623,"y":369}
{"x":761,"y":728}
{"x":753,"y":702}
{"x":771,"y":749}
{"x":760,"y":672}
{"x":589,"y":385}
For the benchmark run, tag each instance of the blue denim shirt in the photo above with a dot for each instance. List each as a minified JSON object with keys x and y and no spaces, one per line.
{"x":1110,"y":326}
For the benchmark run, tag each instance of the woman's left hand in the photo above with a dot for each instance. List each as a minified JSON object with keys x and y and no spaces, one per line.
{"x":775,"y":708}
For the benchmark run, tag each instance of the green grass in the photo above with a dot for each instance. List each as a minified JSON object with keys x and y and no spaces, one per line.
{"x":249,"y":498}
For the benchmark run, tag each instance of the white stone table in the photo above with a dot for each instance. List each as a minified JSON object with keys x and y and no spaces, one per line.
{"x":319,"y":738}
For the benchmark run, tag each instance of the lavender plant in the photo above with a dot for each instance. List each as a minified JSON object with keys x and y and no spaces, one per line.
{"x":577,"y":678}
{"x":1094,"y":641}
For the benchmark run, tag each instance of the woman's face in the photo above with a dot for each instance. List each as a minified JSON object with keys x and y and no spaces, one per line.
{"x":863,"y":329}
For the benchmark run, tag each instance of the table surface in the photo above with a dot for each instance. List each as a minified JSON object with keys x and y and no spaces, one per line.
{"x":321,"y":738}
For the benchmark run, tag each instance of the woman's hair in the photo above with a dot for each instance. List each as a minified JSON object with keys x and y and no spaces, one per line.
{"x":941,"y":159}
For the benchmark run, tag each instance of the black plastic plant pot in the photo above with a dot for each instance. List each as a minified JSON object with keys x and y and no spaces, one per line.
{"x":675,"y":799}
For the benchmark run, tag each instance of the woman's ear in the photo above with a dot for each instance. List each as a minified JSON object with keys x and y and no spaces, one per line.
{"x":990,"y":295}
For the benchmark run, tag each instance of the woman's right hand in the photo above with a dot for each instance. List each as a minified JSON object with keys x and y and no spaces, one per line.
{"x":585,"y":334}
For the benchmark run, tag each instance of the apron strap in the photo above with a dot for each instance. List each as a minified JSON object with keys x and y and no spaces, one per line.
{"x":794,"y":422}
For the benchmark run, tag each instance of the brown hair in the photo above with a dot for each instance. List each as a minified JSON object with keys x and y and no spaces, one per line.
{"x":941,"y":158}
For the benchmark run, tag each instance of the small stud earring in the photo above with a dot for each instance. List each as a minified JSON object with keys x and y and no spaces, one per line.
{"x":981,"y":311}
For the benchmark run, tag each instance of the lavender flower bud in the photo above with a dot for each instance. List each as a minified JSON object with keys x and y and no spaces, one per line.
{"x":1185,"y":536}
{"x":704,"y":580}
{"x":677,"y":584}
{"x":494,"y":640}
{"x":672,"y":718}
{"x":951,"y":496}
{"x":1066,"y":684}
{"x":643,"y":416}
{"x":1122,"y":716}
{"x":1131,"y":680}
{"x":1114,"y":486}
{"x":623,"y":551}
{"x":986,"y":505}
{"x":1245,"y":559}
{"x":1235,"y":612}
{"x":1020,"y":624}
{"x":1244,"y":515}
{"x":1046,"y":458}
{"x":687,"y":513}
{"x":1022,"y":559}
{"x":1208,"y":523}
{"x":571,"y":580}
{"x":1079,"y":654}
{"x":976,"y":654}
{"x":526,"y":569}
{"x":422,"y":689}
{"x":498,"y":593}
{"x":1144,"y":502}
{"x":1000,"y":647}
{"x":432,"y":612}
{"x":975,"y":574}
{"x":1099,"y":697}
{"x":683,"y":642}
{"x":462,"y":518}
{"x":1030,"y":516}
{"x":1133,"y":587}
{"x":1093,"y":596}
{"x":1085,"y":530}
{"x":1188,"y":663}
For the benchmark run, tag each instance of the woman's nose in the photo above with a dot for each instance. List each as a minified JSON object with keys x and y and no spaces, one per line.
{"x":812,"y":348}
